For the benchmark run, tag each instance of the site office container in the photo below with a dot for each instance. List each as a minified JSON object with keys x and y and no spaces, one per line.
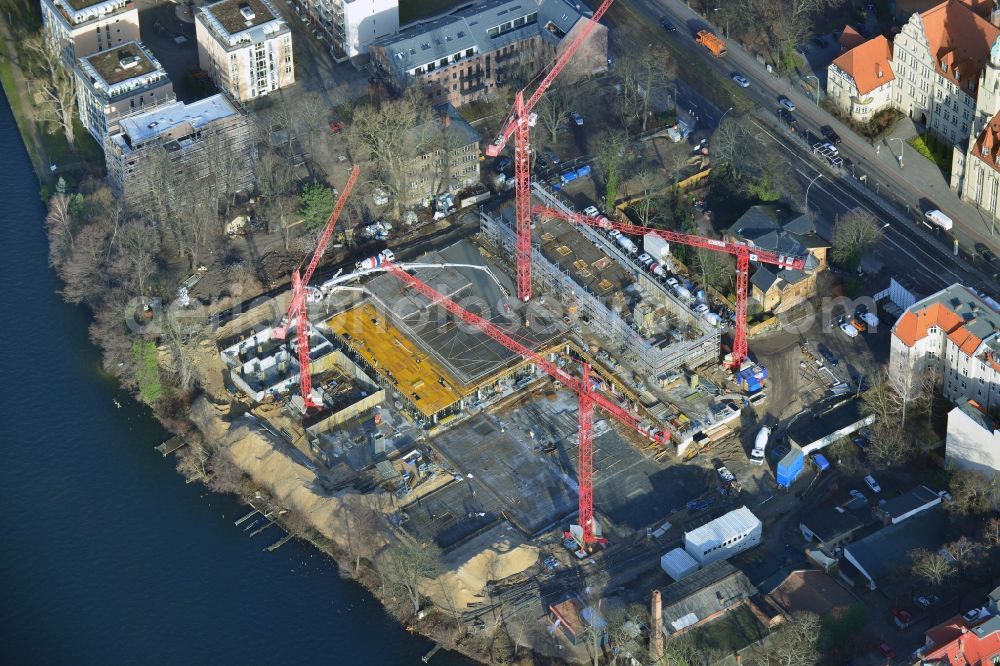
{"x":790,"y":467}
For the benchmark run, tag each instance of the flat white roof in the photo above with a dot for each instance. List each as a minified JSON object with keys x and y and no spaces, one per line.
{"x":736,"y":522}
{"x":144,"y":126}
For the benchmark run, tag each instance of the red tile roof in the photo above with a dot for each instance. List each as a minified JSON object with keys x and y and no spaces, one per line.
{"x":965,"y":340}
{"x":960,"y":42}
{"x":965,"y":649}
{"x":987,"y":148}
{"x":869,"y":64}
{"x":850,"y":38}
{"x":913,"y":326}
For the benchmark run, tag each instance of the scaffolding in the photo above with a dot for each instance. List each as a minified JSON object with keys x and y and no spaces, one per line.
{"x":649,"y":358}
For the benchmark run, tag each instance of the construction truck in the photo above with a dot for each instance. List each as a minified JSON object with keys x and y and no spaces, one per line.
{"x":711,"y":42}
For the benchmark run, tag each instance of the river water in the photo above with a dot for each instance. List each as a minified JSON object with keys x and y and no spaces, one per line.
{"x":107,"y":556}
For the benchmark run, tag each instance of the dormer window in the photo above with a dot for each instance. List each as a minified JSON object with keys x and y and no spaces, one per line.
{"x":972,"y":85}
{"x":944,"y":64}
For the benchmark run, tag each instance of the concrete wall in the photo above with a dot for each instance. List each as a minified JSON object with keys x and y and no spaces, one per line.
{"x":368,"y":20}
{"x":970,"y":446}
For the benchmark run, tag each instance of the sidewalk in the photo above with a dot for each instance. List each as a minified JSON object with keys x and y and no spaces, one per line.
{"x":911,"y":184}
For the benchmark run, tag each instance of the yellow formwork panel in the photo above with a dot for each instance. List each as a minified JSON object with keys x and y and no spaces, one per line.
{"x":429,"y":386}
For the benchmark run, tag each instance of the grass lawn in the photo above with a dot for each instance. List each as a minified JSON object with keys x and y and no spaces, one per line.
{"x":411,"y":10}
{"x":934,"y":150}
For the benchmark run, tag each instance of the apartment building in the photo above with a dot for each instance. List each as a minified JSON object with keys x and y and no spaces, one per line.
{"x":116,"y":83}
{"x":859,"y":81}
{"x":958,"y":330}
{"x":467,"y":55}
{"x":449,"y":159}
{"x":79,"y":28}
{"x":938,"y":58}
{"x":352,"y":25}
{"x":245,"y":46}
{"x":972,"y":440}
{"x":181,"y":146}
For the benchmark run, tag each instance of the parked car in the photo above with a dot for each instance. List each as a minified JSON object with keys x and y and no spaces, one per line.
{"x":785,"y":102}
{"x":667,"y":25}
{"x":944,"y":495}
{"x":829,"y":134}
{"x":540,"y":161}
{"x":576,"y":117}
{"x":886,"y":651}
{"x":828,"y":355}
{"x":873,"y":484}
{"x":741,"y":81}
{"x":787,"y":118}
{"x":858,"y":495}
{"x":985,"y":253}
{"x":591,"y":211}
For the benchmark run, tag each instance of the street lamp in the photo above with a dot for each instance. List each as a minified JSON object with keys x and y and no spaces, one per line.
{"x":727,"y":23}
{"x":724,"y":115}
{"x":812,"y":76}
{"x":900,"y":158}
{"x":818,"y":176}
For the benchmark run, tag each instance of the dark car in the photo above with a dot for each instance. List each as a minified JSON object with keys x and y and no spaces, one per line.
{"x":786,"y":117}
{"x":541,"y":162}
{"x":825,"y":352}
{"x":667,"y":25}
{"x":504,"y":165}
{"x":829,"y":134}
{"x":985,"y":253}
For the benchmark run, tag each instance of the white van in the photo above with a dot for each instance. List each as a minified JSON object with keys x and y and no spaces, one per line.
{"x":938,"y":218}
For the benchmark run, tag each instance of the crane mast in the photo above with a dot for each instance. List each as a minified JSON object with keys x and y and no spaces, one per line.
{"x":743,"y":252}
{"x":589,"y":398}
{"x":518,"y":125}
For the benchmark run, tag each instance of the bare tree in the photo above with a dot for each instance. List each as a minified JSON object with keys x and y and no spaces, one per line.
{"x":386,"y":136}
{"x":611,"y":156}
{"x":56,"y":83}
{"x":59,"y":223}
{"x":83,"y":270}
{"x":966,"y":552}
{"x":973,"y":492}
{"x":931,"y":566}
{"x":644,"y":77}
{"x":991,"y":532}
{"x":855,"y":232}
{"x":553,"y":109}
{"x":889,"y":445}
{"x":717,"y":269}
{"x":794,"y":644}
{"x":409,"y":564}
{"x":136,"y":246}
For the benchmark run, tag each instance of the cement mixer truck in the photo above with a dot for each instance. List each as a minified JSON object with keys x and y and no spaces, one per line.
{"x":757,"y":455}
{"x":376,"y":261}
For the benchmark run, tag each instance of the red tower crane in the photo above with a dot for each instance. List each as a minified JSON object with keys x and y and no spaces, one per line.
{"x":744,"y":255}
{"x":589,"y":398}
{"x":297,"y":308}
{"x":518,"y":124}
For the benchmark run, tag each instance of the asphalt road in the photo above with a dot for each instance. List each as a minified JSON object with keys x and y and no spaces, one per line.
{"x":765,"y":89}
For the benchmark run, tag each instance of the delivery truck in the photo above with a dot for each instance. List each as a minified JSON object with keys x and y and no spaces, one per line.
{"x":939,"y":219}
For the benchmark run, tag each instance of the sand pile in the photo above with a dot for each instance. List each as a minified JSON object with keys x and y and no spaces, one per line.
{"x":290,"y":483}
{"x":504,"y":557}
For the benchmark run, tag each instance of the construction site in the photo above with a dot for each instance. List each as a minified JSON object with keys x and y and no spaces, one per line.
{"x":532,"y":395}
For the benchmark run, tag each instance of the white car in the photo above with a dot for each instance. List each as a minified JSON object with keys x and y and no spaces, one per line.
{"x":873,"y":484}
{"x":849,"y":330}
{"x":740,"y":80}
{"x":591,"y":211}
{"x":577,"y":118}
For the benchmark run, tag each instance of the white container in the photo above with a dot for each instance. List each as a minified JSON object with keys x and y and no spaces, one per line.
{"x":677,"y":564}
{"x":656,"y":247}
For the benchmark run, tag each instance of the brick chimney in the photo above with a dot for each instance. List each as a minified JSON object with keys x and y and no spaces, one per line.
{"x":656,"y":627}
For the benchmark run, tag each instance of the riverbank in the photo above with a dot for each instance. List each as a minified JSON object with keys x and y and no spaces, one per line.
{"x":172,"y":403}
